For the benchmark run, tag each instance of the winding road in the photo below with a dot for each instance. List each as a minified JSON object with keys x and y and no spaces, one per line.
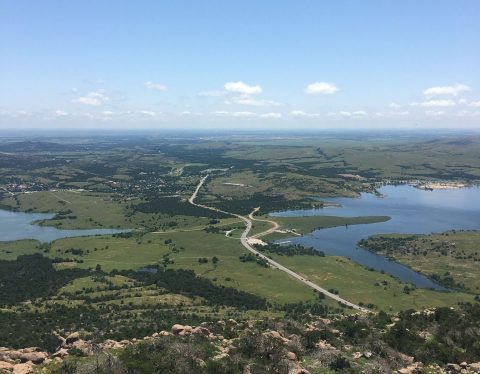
{"x":274,"y":264}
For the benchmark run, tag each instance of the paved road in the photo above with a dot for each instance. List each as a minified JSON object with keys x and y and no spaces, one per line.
{"x":275,"y":225}
{"x":272,"y":263}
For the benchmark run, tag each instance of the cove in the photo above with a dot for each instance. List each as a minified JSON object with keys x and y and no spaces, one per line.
{"x":19,"y":225}
{"x":412,"y":211}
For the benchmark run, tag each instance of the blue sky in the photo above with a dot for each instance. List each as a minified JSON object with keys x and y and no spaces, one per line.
{"x":239,"y":64}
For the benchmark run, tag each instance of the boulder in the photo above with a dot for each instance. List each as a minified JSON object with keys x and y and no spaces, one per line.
{"x":5,"y":367}
{"x":62,"y":352}
{"x":111,"y":344}
{"x":73,"y":337}
{"x":356,"y":355}
{"x":454,"y":367}
{"x":291,"y":356}
{"x":83,"y":346}
{"x":22,"y":369}
{"x":177,"y":329}
{"x":187,"y":330}
{"x":367,"y":354}
{"x":335,"y":332}
{"x":407,"y":359}
{"x":276,"y":335}
{"x":221,"y":356}
{"x":201,"y":331}
{"x":464,"y":365}
{"x":12,"y":355}
{"x":475,"y":366}
{"x":34,"y":357}
{"x":415,"y":368}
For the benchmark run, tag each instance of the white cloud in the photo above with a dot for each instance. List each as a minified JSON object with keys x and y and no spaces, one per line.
{"x":298,"y":113}
{"x":155,"y":86}
{"x":247,"y":100}
{"x":272,"y":115}
{"x":301,"y":113}
{"x":189,"y":113}
{"x":211,"y":93}
{"x":244,"y":114}
{"x":446,"y":90}
{"x":438,"y":103}
{"x":394,"y":105}
{"x":95,"y":98}
{"x":435,"y":113}
{"x":60,"y":113}
{"x":323,"y":88}
{"x":242,"y":88}
{"x":360,"y":113}
{"x":345,"y":113}
{"x":475,"y":104}
{"x":148,"y":113}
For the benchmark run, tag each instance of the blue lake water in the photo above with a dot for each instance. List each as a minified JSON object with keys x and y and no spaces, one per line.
{"x":412,"y":211}
{"x":17,"y":225}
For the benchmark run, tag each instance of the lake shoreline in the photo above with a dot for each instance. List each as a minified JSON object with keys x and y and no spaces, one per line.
{"x":413,"y":211}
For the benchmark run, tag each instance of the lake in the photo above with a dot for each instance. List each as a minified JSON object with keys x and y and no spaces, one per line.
{"x":412,"y":211}
{"x":18,"y":225}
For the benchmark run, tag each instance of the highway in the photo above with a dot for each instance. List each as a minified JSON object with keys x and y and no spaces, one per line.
{"x":272,"y":263}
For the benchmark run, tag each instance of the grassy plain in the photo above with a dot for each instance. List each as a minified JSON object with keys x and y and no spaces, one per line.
{"x":184,"y":249}
{"x":95,"y":210}
{"x":454,"y":254}
{"x":359,"y":284}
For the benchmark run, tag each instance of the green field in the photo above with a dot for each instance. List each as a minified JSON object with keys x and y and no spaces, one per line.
{"x":451,"y":258}
{"x":305,"y":225}
{"x":184,"y":249}
{"x":361,"y":285}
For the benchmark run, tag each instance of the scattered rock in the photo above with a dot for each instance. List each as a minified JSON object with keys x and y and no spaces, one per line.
{"x":201,"y":331}
{"x":276,"y":335}
{"x":356,"y":355}
{"x":464,"y":365}
{"x":367,"y":354}
{"x":291,"y":356}
{"x":335,"y":332}
{"x":414,"y":368}
{"x":475,"y":366}
{"x":61,"y":353}
{"x":221,"y":356}
{"x":454,"y":367}
{"x":407,"y":359}
{"x":111,"y":344}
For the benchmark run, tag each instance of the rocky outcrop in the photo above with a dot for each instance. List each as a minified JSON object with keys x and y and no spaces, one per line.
{"x":27,"y":360}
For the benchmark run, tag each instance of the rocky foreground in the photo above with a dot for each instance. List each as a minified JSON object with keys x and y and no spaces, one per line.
{"x":205,"y":348}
